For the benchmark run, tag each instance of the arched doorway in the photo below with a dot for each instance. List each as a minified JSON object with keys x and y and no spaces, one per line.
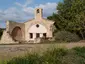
{"x":17,"y":34}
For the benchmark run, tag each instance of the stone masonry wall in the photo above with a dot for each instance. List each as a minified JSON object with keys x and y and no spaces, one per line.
{"x":12,"y":25}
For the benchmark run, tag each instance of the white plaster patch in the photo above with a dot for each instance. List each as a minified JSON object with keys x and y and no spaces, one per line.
{"x":35,"y":29}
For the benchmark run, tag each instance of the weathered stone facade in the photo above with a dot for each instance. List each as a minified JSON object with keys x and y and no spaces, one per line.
{"x":28,"y":31}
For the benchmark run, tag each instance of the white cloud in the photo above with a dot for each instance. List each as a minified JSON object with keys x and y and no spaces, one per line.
{"x":28,"y":10}
{"x":11,"y":13}
{"x":24,"y":12}
{"x":28,"y":2}
{"x":48,"y":8}
{"x":25,"y":4}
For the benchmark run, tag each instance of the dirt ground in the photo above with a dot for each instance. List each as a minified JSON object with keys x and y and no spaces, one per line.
{"x":9,"y":51}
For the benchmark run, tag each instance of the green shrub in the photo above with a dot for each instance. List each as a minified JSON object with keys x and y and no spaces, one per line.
{"x":49,"y":57}
{"x":3,"y":62}
{"x":30,"y":59}
{"x":66,"y":36}
{"x":43,"y":40}
{"x":54,"y":56}
{"x":72,"y":58}
{"x":80,"y":51}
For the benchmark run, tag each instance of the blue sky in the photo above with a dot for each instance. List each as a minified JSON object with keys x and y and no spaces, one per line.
{"x":22,"y":10}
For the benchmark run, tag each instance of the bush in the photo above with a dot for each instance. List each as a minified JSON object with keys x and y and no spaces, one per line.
{"x":49,"y":57}
{"x":30,"y":59}
{"x":80,"y":51}
{"x":44,"y":40}
{"x":72,"y":58}
{"x":66,"y":36}
{"x":54,"y":56}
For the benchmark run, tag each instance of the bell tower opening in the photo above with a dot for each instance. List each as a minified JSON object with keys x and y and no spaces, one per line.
{"x":38,"y":13}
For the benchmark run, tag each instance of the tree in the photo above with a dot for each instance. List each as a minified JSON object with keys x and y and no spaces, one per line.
{"x":70,"y":16}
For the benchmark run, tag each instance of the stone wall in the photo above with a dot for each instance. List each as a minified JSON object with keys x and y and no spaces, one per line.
{"x":6,"y":38}
{"x":11,"y":25}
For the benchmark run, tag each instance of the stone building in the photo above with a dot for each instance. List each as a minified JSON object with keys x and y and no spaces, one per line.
{"x":29,"y":30}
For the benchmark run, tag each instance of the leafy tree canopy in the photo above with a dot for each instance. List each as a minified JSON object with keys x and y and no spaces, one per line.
{"x":70,"y":16}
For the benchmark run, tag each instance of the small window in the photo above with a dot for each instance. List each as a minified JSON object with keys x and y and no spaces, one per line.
{"x":31,"y":35}
{"x":37,"y":25}
{"x":37,"y":10}
{"x":37,"y":35}
{"x":44,"y":35}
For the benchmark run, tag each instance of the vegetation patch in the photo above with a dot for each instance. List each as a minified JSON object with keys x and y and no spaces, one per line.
{"x":66,"y":36}
{"x":53,"y":56}
{"x":70,"y":17}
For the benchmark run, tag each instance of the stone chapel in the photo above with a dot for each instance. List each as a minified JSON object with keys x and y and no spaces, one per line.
{"x":29,"y":30}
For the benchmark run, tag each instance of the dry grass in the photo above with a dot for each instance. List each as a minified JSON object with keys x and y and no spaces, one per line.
{"x":9,"y":51}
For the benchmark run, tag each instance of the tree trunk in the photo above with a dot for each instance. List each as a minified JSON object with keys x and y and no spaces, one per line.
{"x":82,"y":35}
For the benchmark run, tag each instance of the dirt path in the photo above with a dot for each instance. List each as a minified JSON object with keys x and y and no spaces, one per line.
{"x":10,"y":51}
